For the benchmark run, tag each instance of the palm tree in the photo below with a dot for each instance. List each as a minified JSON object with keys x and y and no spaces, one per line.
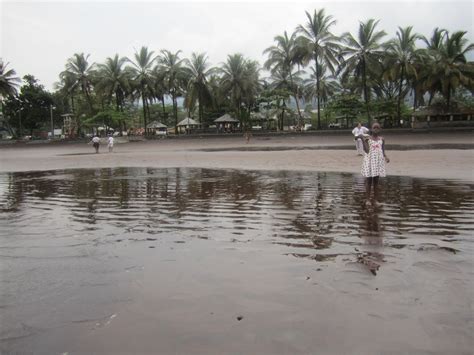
{"x":402,"y":58}
{"x":9,"y":82}
{"x":217,"y":95}
{"x":142,"y":67}
{"x":359,"y":56}
{"x":319,"y":44}
{"x":450,"y":68}
{"x":170,"y":65}
{"x":233,"y":80}
{"x":198,"y":71}
{"x":282,"y":57}
{"x":113,"y":79}
{"x":79,"y":69}
{"x":328,"y":86}
{"x":67,"y":88}
{"x":158,"y":88}
{"x":252,"y":84}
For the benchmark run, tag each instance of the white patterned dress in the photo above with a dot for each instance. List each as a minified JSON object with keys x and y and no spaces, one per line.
{"x":374,"y":162}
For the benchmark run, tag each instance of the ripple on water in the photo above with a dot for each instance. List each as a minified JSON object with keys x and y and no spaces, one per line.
{"x":62,"y":231}
{"x":293,"y":205}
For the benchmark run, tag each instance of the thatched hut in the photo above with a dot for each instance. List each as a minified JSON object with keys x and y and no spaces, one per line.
{"x":157,"y":128}
{"x":226,"y":123}
{"x":187,"y":125}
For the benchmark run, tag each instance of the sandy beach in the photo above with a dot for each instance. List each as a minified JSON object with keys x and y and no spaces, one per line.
{"x":192,"y":246}
{"x":306,"y":153}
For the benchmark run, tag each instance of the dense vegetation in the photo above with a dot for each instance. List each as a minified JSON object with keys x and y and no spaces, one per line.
{"x":361,"y":76}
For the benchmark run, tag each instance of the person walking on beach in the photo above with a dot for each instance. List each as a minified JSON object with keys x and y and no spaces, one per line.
{"x":110,"y":143}
{"x":357,"y":131}
{"x":247,"y":136}
{"x":96,"y":143}
{"x":373,"y":165}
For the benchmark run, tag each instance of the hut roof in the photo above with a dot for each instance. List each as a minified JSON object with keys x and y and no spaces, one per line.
{"x":188,"y":122}
{"x":226,"y":119}
{"x":156,"y":124}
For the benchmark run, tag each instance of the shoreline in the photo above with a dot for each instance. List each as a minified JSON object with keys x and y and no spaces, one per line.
{"x":442,"y":156}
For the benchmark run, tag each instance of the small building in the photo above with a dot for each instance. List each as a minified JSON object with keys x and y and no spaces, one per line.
{"x":226,"y":123}
{"x":187,"y":125}
{"x":156,"y":128}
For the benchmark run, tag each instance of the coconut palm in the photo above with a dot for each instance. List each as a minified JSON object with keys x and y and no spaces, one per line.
{"x":80,"y":70}
{"x":402,"y":58}
{"x":197,"y":69}
{"x":363,"y":54}
{"x":252,"y":83}
{"x":319,"y":44}
{"x":282,"y":57}
{"x":67,"y":88}
{"x":218,"y":98}
{"x":233,"y":78}
{"x":114,"y":80}
{"x":171,"y":67}
{"x":142,"y":68}
{"x":328,"y":86}
{"x":450,"y":68}
{"x":9,"y":82}
{"x":158,"y":88}
{"x":426,"y":62}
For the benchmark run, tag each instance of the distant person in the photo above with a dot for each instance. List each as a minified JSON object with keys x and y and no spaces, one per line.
{"x":357,"y":131}
{"x":247,"y":136}
{"x":373,"y":166}
{"x":110,"y":143}
{"x":96,"y":143}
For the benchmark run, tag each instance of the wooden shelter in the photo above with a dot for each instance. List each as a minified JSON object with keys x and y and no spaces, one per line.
{"x":188,"y":124}
{"x":226,"y":123}
{"x":157,"y":128}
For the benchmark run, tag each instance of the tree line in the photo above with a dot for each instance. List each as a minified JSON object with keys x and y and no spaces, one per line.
{"x":354,"y":74}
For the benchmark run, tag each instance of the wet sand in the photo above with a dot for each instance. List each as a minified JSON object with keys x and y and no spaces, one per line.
{"x":234,"y":153}
{"x":191,"y":261}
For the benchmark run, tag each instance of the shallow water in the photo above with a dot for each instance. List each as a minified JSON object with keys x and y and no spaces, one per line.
{"x":80,"y":248}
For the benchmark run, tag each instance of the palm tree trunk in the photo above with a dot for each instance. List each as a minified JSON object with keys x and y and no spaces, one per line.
{"x":144,"y":109}
{"x":366,"y":94}
{"x":148,"y":109}
{"x":72,"y":103}
{"x":163,"y":105}
{"x":175,"y":112}
{"x":88,"y":97}
{"x":400,"y":95}
{"x":317,"y":89}
{"x":296,"y":98}
{"x":448,"y":98}
{"x":200,"y":109}
{"x":415,"y":98}
{"x":283,"y":117}
{"x":117,"y":101}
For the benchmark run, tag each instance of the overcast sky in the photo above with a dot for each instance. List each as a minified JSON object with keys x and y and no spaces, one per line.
{"x":38,"y":37}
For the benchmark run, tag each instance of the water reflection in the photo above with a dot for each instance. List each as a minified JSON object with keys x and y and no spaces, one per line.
{"x":316,"y":215}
